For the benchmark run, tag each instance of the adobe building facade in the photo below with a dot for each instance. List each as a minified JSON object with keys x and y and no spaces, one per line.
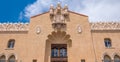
{"x":60,"y":35}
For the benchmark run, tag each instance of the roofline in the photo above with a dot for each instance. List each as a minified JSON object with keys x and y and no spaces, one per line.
{"x":68,"y":10}
{"x":78,"y":13}
{"x":39,"y":14}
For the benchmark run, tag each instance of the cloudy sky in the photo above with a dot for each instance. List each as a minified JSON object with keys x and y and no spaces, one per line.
{"x":97,"y":10}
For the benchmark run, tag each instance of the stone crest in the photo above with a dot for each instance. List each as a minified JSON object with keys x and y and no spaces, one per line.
{"x":58,"y":16}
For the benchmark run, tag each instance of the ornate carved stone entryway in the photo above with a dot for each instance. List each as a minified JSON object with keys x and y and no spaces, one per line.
{"x":57,"y":46}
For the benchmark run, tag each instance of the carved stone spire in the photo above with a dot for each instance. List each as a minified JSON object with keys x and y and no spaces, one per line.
{"x":58,"y":16}
{"x":52,"y":13}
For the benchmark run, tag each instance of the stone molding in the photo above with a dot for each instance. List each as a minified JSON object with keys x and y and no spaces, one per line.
{"x":105,"y":26}
{"x":14,"y":26}
{"x":25,"y":26}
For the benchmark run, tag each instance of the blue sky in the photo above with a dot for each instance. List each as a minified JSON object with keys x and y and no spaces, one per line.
{"x":97,"y":10}
{"x":10,"y":10}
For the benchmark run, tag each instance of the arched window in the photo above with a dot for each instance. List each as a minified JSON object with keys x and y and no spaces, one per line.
{"x":2,"y":58}
{"x":116,"y":58}
{"x":59,"y":50}
{"x":11,"y":43}
{"x":107,"y":42}
{"x":63,"y":52}
{"x":12,"y":59}
{"x":107,"y":58}
{"x":54,"y":52}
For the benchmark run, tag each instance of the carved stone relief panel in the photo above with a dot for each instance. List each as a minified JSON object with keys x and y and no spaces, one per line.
{"x":38,"y":30}
{"x":79,"y":30}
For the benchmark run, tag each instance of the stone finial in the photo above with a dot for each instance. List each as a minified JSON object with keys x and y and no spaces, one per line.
{"x":51,"y":6}
{"x":58,"y":5}
{"x":59,"y":14}
{"x":51,"y":12}
{"x":66,"y":6}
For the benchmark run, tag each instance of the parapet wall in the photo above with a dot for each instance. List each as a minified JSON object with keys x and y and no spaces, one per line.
{"x":25,"y":26}
{"x":14,"y":26}
{"x":105,"y":26}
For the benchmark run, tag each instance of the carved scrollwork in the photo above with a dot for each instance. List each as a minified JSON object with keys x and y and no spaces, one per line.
{"x":105,"y":26}
{"x":14,"y":26}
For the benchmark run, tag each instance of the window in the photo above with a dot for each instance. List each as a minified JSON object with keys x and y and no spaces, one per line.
{"x":116,"y":58}
{"x":34,"y":60}
{"x":54,"y":52}
{"x":82,"y":60}
{"x":63,"y":52}
{"x":107,"y":58}
{"x":11,"y":43}
{"x":59,"y":53}
{"x":107,"y":42}
{"x":2,"y":58}
{"x":59,"y":50}
{"x":12,"y":59}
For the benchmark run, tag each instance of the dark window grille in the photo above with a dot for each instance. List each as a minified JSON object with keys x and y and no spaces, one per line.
{"x":12,"y":59}
{"x":34,"y":60}
{"x":59,"y":50}
{"x":107,"y":43}
{"x":2,"y":60}
{"x":63,"y":52}
{"x":116,"y":58}
{"x":107,"y":58}
{"x":11,"y":43}
{"x":82,"y":60}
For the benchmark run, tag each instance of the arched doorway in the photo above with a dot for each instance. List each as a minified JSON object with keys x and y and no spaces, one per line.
{"x":3,"y":58}
{"x":116,"y":58}
{"x":107,"y":58}
{"x":57,"y":45}
{"x":12,"y":59}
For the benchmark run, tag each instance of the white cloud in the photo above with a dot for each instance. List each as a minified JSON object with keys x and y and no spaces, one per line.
{"x":97,"y":10}
{"x":102,"y":10}
{"x":37,"y":7}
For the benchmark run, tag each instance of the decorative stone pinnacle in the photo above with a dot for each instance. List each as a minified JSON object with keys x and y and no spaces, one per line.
{"x":58,"y":3}
{"x":51,"y":6}
{"x":58,"y":16}
{"x":66,"y":5}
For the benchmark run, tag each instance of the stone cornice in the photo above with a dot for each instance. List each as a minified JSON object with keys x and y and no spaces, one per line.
{"x":14,"y":26}
{"x":105,"y":26}
{"x":94,"y":26}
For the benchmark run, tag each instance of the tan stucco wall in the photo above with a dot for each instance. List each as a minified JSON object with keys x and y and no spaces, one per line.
{"x":100,"y":49}
{"x":79,"y":41}
{"x":30,"y":45}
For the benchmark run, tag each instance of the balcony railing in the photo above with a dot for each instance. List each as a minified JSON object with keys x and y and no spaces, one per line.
{"x":59,"y":26}
{"x":58,"y":58}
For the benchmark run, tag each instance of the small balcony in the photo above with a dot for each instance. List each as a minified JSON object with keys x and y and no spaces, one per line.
{"x":59,"y":26}
{"x":59,"y":59}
